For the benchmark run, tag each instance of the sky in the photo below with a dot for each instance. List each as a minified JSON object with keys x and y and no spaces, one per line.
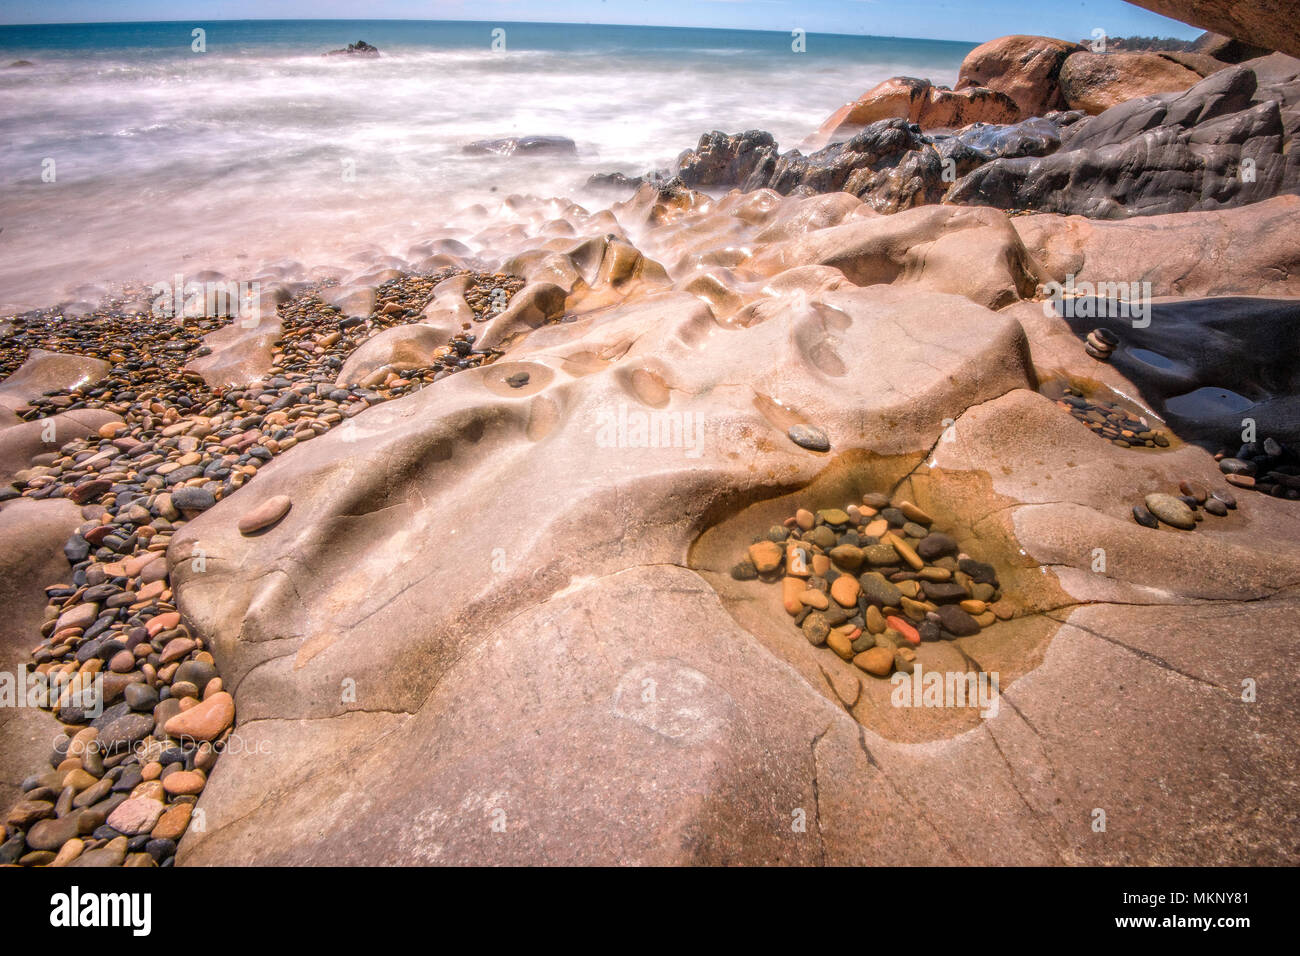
{"x":970,"y":20}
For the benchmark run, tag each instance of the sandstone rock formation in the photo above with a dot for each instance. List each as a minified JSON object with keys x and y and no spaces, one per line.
{"x":568,"y":673}
{"x":1025,"y":68}
{"x":919,"y":102}
{"x":1094,"y":82}
{"x":1225,"y":141}
{"x":1267,"y":23}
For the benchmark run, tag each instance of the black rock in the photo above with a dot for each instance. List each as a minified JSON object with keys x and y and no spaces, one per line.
{"x":160,"y":849}
{"x":1144,"y":517}
{"x":936,"y":544}
{"x":957,"y":622}
{"x":979,"y":572}
{"x":530,"y":145}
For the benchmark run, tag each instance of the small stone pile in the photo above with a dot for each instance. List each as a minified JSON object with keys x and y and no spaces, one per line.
{"x":1100,"y":343}
{"x":1183,"y":510}
{"x":1268,"y":466}
{"x":872,"y":581}
{"x":1112,"y":422}
{"x":122,"y":785}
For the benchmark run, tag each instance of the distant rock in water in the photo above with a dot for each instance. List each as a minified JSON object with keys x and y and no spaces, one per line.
{"x":618,"y":181}
{"x":509,"y":146}
{"x":18,"y":64}
{"x":360,"y":48}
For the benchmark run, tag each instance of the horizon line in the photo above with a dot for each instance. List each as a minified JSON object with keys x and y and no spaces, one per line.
{"x":569,"y":23}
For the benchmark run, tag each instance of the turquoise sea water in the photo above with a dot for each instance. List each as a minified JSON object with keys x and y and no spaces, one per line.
{"x":160,"y":151}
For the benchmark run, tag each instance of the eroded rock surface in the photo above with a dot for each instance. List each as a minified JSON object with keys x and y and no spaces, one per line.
{"x":563,"y":671}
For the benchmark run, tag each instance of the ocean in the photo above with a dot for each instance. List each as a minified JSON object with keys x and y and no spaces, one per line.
{"x":126,"y":154}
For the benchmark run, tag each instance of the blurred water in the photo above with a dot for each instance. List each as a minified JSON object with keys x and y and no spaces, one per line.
{"x":164,"y":156}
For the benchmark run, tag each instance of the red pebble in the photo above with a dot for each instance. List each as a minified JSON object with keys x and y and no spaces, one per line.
{"x":902,"y":627}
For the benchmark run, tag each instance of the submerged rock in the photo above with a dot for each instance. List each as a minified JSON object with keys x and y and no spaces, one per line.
{"x":360,"y":48}
{"x":527,"y":145}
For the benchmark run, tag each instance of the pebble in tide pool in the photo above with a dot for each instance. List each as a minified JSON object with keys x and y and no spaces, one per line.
{"x":873,"y":580}
{"x":1184,"y":510}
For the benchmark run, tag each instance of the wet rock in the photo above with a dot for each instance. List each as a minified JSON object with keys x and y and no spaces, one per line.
{"x":1171,"y":511}
{"x":264,"y":515}
{"x":810,"y":437}
{"x":523,"y":145}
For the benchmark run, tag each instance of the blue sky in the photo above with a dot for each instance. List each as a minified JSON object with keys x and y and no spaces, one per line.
{"x":974,"y":20}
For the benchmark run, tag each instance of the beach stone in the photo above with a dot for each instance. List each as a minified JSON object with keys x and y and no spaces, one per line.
{"x":956,"y":621}
{"x":1171,"y":511}
{"x":193,"y":499}
{"x":791,"y":590}
{"x":51,"y":834}
{"x":141,"y":697}
{"x":172,"y":823}
{"x":904,"y":659}
{"x":936,"y":545}
{"x":880,"y":555}
{"x":814,"y":599}
{"x":264,"y":515}
{"x":136,"y":815}
{"x":845,"y":590}
{"x":810,"y":437}
{"x":1144,"y":517}
{"x":840,"y":644}
{"x":905,"y":630}
{"x":847,"y":556}
{"x":183,"y":782}
{"x":125,"y":731}
{"x":913,"y":513}
{"x":198,"y":672}
{"x":744,"y":571}
{"x":26,"y":812}
{"x":68,"y":852}
{"x":766,"y":556}
{"x":110,"y":854}
{"x":878,"y":661}
{"x":206,"y":721}
{"x":879,"y":591}
{"x":940,"y":591}
{"x":980,"y":572}
{"x":905,"y":551}
{"x":1216,"y":507}
{"x":875,"y":621}
{"x":823,"y":537}
{"x":176,"y":649}
{"x":816,"y":629}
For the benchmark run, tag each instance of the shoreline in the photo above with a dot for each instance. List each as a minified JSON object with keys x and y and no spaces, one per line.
{"x":843,"y":400}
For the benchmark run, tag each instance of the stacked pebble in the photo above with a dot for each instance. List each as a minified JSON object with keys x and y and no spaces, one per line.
{"x":1268,"y":466}
{"x":872,"y":581}
{"x":1183,"y":510}
{"x":1100,"y":344}
{"x":1112,"y":422}
{"x":122,"y":785}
